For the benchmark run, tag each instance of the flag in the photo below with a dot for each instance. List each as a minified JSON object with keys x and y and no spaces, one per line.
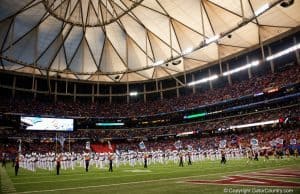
{"x":279,"y":141}
{"x":223,"y":143}
{"x":88,"y":145}
{"x":178,"y":144}
{"x":273,"y":143}
{"x":142,"y":145}
{"x":293,"y":141}
{"x":109,"y":145}
{"x":234,"y":141}
{"x":118,"y":152}
{"x":254,"y":142}
{"x":20,"y":146}
{"x":61,"y":140}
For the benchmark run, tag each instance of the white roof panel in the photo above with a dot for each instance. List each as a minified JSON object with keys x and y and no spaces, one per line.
{"x":99,"y":40}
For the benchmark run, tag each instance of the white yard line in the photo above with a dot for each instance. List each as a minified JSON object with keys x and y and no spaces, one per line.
{"x":93,"y":178}
{"x":81,"y":178}
{"x":6,"y":184}
{"x":138,"y":182}
{"x":52,"y":173}
{"x":100,"y":171}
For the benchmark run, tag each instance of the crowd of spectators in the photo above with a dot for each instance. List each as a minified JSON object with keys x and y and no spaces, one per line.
{"x":234,"y":140}
{"x":254,"y":85}
{"x":209,"y":125}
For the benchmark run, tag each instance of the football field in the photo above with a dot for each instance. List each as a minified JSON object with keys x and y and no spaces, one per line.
{"x":237,"y":176}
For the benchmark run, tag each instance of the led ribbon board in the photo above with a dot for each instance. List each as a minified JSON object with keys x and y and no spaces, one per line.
{"x":109,"y":124}
{"x":255,"y":124}
{"x":195,"y":115}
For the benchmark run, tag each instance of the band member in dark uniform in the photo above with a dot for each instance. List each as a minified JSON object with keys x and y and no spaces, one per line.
{"x":110,"y":158}
{"x":145,"y":160}
{"x":189,"y":158}
{"x":256,"y":155}
{"x":181,"y":159}
{"x":87,"y":162}
{"x":250,"y":155}
{"x":296,"y":153}
{"x":13,"y":160}
{"x":287,"y":153}
{"x":17,"y":160}
{"x":266,"y":154}
{"x":223,"y":156}
{"x":58,"y":160}
{"x":4,"y":160}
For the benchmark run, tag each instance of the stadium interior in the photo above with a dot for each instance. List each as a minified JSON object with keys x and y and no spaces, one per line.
{"x":141,"y":86}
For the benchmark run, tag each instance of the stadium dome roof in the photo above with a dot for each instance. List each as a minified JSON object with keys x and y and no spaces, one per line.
{"x":133,"y":40}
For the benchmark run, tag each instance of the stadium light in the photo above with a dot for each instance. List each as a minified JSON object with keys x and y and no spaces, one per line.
{"x":252,"y":64}
{"x":187,"y":51}
{"x":284,"y":52}
{"x":157,"y":63}
{"x":133,"y":94}
{"x":213,"y":77}
{"x":185,"y":133}
{"x":212,"y":39}
{"x":254,"y":124}
{"x":262,"y":9}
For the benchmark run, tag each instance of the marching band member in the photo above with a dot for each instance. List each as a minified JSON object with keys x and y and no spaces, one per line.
{"x":58,"y":163}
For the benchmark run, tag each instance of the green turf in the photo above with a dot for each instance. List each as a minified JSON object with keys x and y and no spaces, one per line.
{"x":161,"y":178}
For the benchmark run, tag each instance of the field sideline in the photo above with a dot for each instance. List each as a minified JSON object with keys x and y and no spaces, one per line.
{"x":156,"y":179}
